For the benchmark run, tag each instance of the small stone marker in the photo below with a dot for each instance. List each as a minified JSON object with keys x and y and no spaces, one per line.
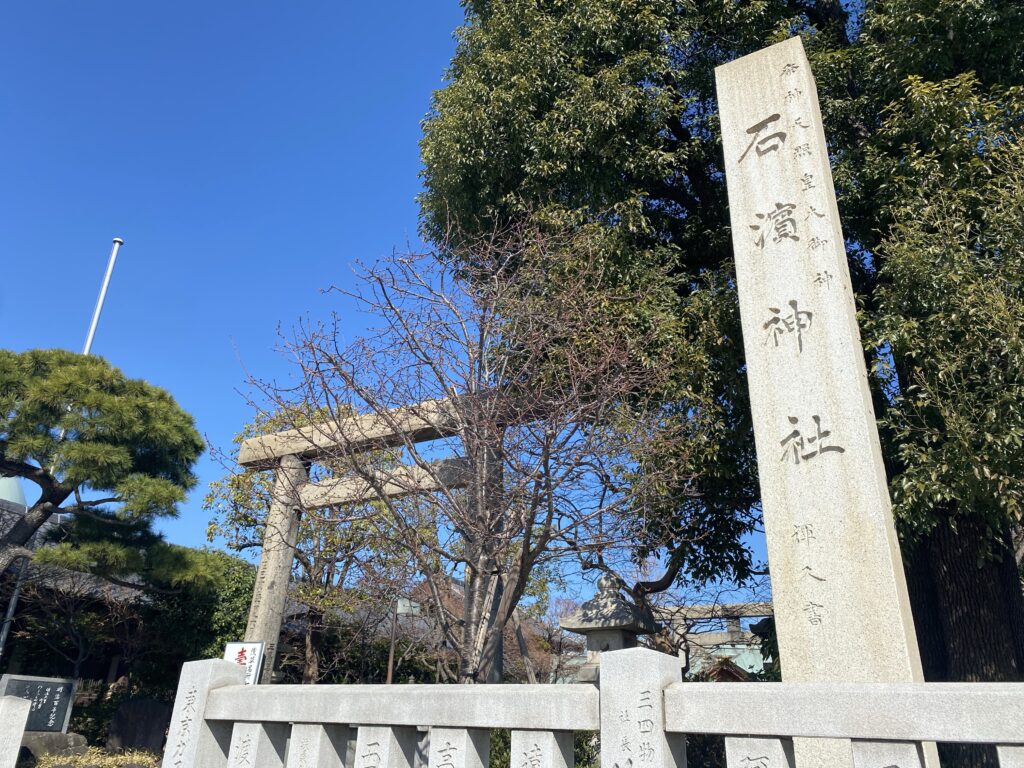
{"x":51,"y":699}
{"x":841,"y":605}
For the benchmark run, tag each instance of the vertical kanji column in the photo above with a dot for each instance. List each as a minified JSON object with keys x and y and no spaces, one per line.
{"x":841,"y":606}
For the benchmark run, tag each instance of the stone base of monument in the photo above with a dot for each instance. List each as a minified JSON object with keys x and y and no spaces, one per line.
{"x":35,"y":744}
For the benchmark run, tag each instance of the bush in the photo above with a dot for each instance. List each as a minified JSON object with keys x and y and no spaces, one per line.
{"x":94,"y":757}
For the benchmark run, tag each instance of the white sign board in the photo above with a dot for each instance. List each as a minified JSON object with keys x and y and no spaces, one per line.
{"x":246,"y":655}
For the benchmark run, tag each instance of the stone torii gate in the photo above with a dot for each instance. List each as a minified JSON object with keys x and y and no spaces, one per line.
{"x":288,"y":454}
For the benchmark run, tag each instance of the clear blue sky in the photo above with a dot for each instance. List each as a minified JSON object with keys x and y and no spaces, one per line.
{"x":246,"y":152}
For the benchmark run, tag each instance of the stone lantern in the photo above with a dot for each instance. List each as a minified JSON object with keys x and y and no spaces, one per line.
{"x":609,"y":623}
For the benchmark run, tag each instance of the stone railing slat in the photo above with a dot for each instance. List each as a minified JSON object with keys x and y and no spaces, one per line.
{"x":965,"y":712}
{"x":557,"y":707}
{"x":13,"y":716}
{"x":1010,"y":757}
{"x":758,"y":753}
{"x":314,"y":745}
{"x":886,"y":754}
{"x":459,"y":748}
{"x":540,"y":749}
{"x":383,"y":747}
{"x":258,"y":745}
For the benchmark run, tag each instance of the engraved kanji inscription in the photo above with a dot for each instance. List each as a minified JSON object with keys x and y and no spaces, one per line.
{"x":762,"y":145}
{"x":807,"y":572}
{"x":803,"y":533}
{"x":806,"y":447}
{"x":815,"y":613}
{"x":778,"y":224}
{"x":794,"y":322}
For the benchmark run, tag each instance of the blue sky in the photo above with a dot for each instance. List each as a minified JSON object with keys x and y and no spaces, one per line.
{"x":246,"y":152}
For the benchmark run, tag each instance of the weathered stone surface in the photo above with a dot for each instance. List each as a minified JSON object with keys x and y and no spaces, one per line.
{"x":139,"y":724}
{"x":193,"y":741}
{"x":271,"y":590}
{"x":558,"y":707}
{"x":40,"y":743}
{"x":13,"y":715}
{"x":459,"y":748}
{"x":318,"y":746}
{"x":887,"y":754}
{"x":1011,"y":757}
{"x":397,"y":482}
{"x":382,"y":747}
{"x":841,"y":606}
{"x":758,"y":753}
{"x":258,"y":745}
{"x":541,"y":749}
{"x":978,"y":713}
{"x":633,"y":710}
{"x":609,"y":623}
{"x":425,"y":421}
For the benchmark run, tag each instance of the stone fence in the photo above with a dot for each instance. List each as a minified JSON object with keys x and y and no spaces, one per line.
{"x":642,"y":712}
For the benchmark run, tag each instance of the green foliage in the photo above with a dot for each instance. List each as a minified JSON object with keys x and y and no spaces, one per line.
{"x":951,"y":310}
{"x":111,"y":451}
{"x":120,"y":436}
{"x":602,"y":115}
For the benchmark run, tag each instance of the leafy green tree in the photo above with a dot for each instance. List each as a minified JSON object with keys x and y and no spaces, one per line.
{"x":111,"y":452}
{"x":602,"y":115}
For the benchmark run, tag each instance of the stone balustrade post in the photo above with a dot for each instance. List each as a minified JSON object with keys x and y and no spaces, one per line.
{"x":13,"y":716}
{"x":633,"y":732}
{"x":192,"y":741}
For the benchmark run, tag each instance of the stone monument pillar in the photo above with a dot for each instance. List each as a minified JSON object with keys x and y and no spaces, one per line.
{"x":266,"y":611}
{"x":608,"y":623}
{"x":841,"y":605}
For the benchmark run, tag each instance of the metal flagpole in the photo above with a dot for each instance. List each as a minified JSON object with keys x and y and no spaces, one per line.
{"x":118,"y":242}
{"x":12,"y":604}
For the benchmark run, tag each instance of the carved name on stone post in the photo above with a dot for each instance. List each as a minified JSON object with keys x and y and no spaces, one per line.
{"x":841,"y":606}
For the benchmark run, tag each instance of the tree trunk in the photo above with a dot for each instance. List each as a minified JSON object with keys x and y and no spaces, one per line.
{"x":14,"y":543}
{"x":311,"y":656}
{"x":968,"y":612}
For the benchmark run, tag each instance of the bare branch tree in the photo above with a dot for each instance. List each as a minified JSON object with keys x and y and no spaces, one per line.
{"x":523,"y":365}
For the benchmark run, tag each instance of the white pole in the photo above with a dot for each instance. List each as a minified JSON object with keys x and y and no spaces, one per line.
{"x":118,"y":242}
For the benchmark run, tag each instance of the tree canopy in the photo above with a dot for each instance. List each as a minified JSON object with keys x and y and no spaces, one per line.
{"x":602,"y":114}
{"x":111,"y":452}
